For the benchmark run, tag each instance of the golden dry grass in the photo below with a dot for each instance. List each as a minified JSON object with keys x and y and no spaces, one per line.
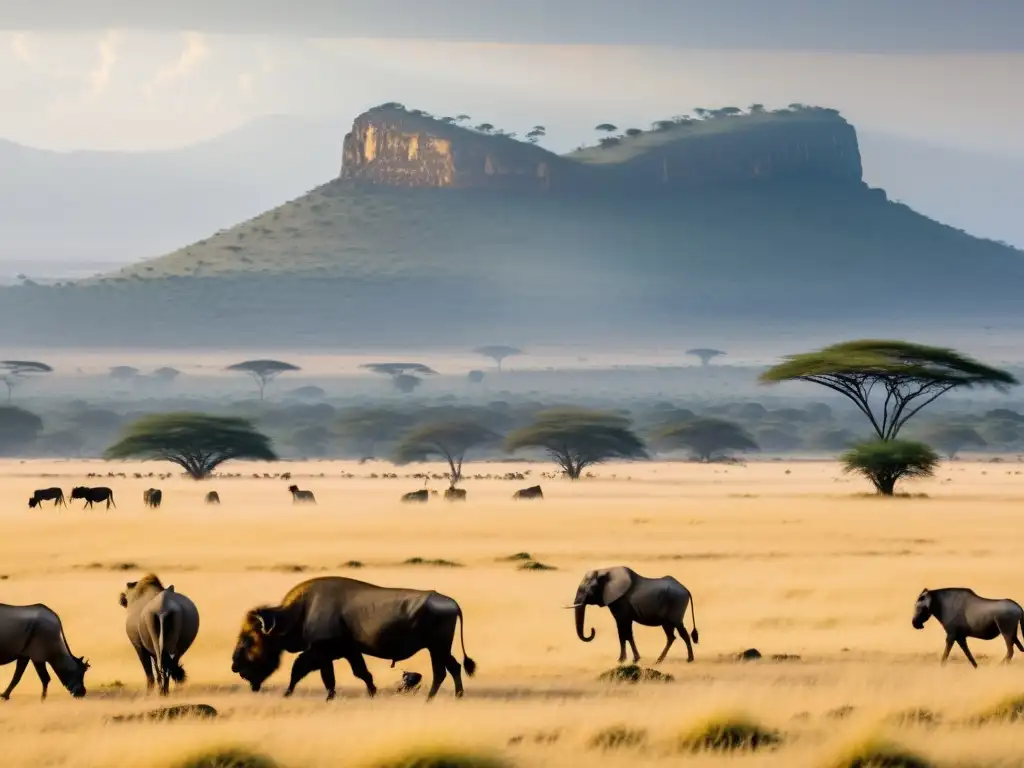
{"x":789,"y":558}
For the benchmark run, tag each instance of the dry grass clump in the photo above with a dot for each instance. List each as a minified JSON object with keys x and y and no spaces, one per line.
{"x":177,"y":712}
{"x":1008,"y":710}
{"x":533,"y":565}
{"x":728,"y":733}
{"x":633,"y":673}
{"x":874,"y":753}
{"x":517,"y":556}
{"x":440,"y":757}
{"x":618,"y":737}
{"x":917,"y":716}
{"x":436,"y":562}
{"x":227,"y":757}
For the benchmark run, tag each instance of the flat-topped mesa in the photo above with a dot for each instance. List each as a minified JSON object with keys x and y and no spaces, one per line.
{"x":394,"y":147}
{"x":391,"y":146}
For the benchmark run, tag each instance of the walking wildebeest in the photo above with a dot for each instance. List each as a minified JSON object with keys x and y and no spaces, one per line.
{"x":34,"y":633}
{"x":332,"y":617}
{"x":213,"y":497}
{"x":92,"y":495}
{"x":152,"y":497}
{"x":56,"y":495}
{"x":533,"y":492}
{"x":301,"y":497}
{"x":962,"y":613}
{"x":455,"y":494}
{"x":421,"y":495}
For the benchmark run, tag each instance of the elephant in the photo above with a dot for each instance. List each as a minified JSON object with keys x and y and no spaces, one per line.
{"x":962,"y":613}
{"x":634,"y":598}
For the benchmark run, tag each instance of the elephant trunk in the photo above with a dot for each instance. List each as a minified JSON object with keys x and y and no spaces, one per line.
{"x":581,"y":609}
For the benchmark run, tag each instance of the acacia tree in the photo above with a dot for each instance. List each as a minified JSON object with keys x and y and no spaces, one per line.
{"x":448,"y":440}
{"x":706,"y":437}
{"x":263,"y":371}
{"x":886,"y":462}
{"x":370,"y":426}
{"x":13,"y":372}
{"x":18,"y":430}
{"x":888,"y":381}
{"x":498,"y":352}
{"x":166,"y":374}
{"x":577,"y":438}
{"x":403,"y":375}
{"x":952,"y":438}
{"x":705,"y":354}
{"x":123,"y":372}
{"x":196,"y":442}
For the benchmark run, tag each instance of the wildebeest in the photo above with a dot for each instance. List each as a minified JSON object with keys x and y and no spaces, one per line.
{"x":34,"y":633}
{"x":630,"y":597}
{"x":92,"y":495}
{"x":301,"y":497}
{"x":152,"y":497}
{"x":962,"y":613}
{"x":421,"y":495}
{"x":213,"y":497}
{"x":455,"y":494}
{"x":56,"y":495}
{"x":161,"y":624}
{"x":332,"y":617}
{"x":533,"y":492}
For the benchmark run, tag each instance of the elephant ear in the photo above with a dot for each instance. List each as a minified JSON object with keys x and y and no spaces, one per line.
{"x":614,"y":584}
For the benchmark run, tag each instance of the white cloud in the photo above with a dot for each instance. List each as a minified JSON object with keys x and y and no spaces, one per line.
{"x":21,"y":47}
{"x":194,"y":51}
{"x":99,"y":76}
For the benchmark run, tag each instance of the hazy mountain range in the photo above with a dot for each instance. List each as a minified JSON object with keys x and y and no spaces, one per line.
{"x":74,"y":214}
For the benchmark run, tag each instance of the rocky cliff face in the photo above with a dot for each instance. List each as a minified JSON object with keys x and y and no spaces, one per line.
{"x":392,"y":147}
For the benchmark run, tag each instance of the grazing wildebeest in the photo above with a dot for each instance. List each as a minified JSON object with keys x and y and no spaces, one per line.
{"x":161,"y":624}
{"x":332,"y":617}
{"x":533,"y":492}
{"x":213,"y":497}
{"x":455,"y":494}
{"x":962,"y":613}
{"x":421,"y":495}
{"x":152,"y":497}
{"x":34,"y":633}
{"x":92,"y":495}
{"x":56,"y":495}
{"x":634,"y":598}
{"x":301,"y":497}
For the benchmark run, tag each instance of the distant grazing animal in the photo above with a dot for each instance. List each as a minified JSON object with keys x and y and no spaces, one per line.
{"x":332,"y":617}
{"x":92,"y":495}
{"x":161,"y":624}
{"x":455,"y":494}
{"x":421,"y":495}
{"x":34,"y":633}
{"x":56,"y":495}
{"x":152,"y":497}
{"x":533,"y":492}
{"x":301,"y":497}
{"x":963,"y":614}
{"x":634,"y":598}
{"x":213,"y":498}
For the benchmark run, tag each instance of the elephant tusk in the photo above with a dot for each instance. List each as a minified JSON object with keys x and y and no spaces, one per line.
{"x":570,"y":607}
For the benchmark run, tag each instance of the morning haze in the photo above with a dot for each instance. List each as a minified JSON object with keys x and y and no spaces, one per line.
{"x":379,"y":333}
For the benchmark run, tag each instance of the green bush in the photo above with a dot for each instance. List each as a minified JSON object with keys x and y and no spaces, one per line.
{"x":886,"y":462}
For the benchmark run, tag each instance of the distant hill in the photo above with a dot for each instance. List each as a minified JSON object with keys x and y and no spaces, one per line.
{"x":436,"y":235}
{"x":81,"y":207}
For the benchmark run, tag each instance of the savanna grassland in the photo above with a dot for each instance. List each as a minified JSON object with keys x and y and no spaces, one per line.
{"x":789,"y":558}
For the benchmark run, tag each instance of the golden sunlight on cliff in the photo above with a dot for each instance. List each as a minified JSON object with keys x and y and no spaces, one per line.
{"x":370,"y":143}
{"x":414,"y":146}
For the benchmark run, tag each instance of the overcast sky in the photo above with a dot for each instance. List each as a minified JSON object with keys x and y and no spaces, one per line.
{"x":128,"y":74}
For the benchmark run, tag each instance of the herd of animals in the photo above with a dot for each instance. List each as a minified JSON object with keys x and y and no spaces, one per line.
{"x":153,"y":497}
{"x":330,"y":618}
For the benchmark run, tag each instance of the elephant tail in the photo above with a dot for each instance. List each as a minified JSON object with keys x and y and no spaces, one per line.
{"x":468,"y":664}
{"x":693,"y":617}
{"x":1015,"y":640}
{"x":166,"y":640}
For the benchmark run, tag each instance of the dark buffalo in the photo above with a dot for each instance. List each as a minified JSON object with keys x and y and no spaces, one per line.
{"x":301,"y":497}
{"x":152,"y":497}
{"x":533,"y":492}
{"x":332,"y":617}
{"x":92,"y":495}
{"x":213,"y":497}
{"x":419,"y":496}
{"x":56,"y":495}
{"x":33,"y":633}
{"x":455,"y":494}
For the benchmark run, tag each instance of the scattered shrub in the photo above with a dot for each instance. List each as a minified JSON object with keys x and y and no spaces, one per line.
{"x":518,"y":556}
{"x":632,"y":673}
{"x":1009,"y":710}
{"x":178,"y":712}
{"x":728,"y":733}
{"x":919,"y":716}
{"x":227,"y":757}
{"x":618,"y":737}
{"x":424,"y":561}
{"x":878,"y":754}
{"x":533,"y":565}
{"x":440,"y":758}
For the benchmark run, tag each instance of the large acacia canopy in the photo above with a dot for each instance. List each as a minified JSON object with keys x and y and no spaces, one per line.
{"x":889,"y":381}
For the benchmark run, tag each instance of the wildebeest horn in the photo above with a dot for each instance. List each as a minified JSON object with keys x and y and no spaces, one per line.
{"x":267,"y":629}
